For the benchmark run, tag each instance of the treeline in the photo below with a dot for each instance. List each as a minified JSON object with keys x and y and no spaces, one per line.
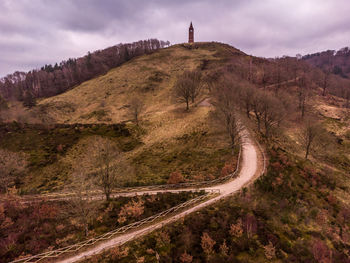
{"x":338,"y":62}
{"x":335,"y":66}
{"x":51,"y":80}
{"x":286,"y":71}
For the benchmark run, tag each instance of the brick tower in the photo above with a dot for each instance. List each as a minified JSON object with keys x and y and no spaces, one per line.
{"x":191,"y":34}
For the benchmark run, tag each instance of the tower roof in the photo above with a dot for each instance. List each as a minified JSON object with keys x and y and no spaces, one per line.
{"x":191,"y":26}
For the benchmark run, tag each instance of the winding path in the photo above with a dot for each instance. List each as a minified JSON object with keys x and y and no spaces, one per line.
{"x":248,"y":172}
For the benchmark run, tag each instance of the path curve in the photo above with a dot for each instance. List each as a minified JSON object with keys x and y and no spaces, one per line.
{"x":248,"y":172}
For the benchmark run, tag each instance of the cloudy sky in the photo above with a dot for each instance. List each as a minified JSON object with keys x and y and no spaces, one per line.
{"x":36,"y":32}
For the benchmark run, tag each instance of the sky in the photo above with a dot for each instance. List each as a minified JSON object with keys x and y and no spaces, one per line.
{"x":38,"y":32}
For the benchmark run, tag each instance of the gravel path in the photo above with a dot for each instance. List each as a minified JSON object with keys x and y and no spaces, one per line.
{"x":248,"y":172}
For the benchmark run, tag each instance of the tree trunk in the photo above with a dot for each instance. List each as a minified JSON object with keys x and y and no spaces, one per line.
{"x":307,"y":150}
{"x":325,"y":84}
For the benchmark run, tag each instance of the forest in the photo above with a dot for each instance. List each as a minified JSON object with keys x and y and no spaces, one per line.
{"x":51,"y":80}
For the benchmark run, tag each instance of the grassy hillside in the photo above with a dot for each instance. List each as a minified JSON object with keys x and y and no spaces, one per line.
{"x":168,"y":140}
{"x":106,"y":98}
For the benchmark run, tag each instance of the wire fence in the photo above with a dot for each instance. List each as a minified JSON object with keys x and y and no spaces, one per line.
{"x":148,"y":188}
{"x":58,"y":252}
{"x":90,"y":242}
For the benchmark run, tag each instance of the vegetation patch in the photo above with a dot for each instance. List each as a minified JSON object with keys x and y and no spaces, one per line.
{"x":193,"y":155}
{"x":290,"y":215}
{"x":46,"y":145}
{"x":29,"y":229}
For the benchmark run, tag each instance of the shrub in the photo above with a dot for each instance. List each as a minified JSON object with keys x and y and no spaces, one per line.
{"x":175,"y":178}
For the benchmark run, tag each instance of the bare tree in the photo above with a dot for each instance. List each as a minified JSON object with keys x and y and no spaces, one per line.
{"x":347,"y":99}
{"x":246,"y":98}
{"x":226,"y":96}
{"x":12,"y":165}
{"x":268,"y":110}
{"x":108,"y":161}
{"x":195,"y":83}
{"x":326,"y":80}
{"x":182,"y":91}
{"x":273,"y":113}
{"x":187,"y":87}
{"x":278,"y":74}
{"x":211,"y":78}
{"x":3,"y":107}
{"x":264,"y":74}
{"x":257,"y":107}
{"x":309,"y":134}
{"x":136,"y":107}
{"x":82,"y":204}
{"x":304,"y":93}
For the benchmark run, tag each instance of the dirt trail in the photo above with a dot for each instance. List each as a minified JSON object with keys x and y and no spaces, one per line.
{"x":248,"y":172}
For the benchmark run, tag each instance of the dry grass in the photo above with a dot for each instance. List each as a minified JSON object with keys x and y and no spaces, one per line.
{"x":150,"y":76}
{"x":164,"y":120}
{"x":332,"y":115}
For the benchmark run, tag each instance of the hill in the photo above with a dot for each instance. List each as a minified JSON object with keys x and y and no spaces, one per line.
{"x":107,"y":98}
{"x":167,"y":141}
{"x":298,"y":211}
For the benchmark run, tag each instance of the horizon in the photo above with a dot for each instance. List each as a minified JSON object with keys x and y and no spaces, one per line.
{"x":47,"y":34}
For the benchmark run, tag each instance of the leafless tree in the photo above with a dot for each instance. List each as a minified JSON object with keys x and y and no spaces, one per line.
{"x":182,"y":91}
{"x":278,"y":74}
{"x":211,"y":78}
{"x":187,"y":87}
{"x":273,"y":113}
{"x":3,"y":107}
{"x":309,"y":134}
{"x":226,"y":95}
{"x":347,"y":99}
{"x":109,"y":161}
{"x":257,"y":107}
{"x":326,"y":80}
{"x":136,"y":107}
{"x":246,"y":98}
{"x":268,"y":110}
{"x":264,"y":74}
{"x":11,"y":165}
{"x":304,"y":93}
{"x":82,"y":204}
{"x":194,"y":78}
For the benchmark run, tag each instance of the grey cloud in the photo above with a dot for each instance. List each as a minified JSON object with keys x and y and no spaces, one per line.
{"x":35,"y":32}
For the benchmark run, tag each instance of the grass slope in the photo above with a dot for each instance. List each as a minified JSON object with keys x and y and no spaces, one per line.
{"x":169,"y":139}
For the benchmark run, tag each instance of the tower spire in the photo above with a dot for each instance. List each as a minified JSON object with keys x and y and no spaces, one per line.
{"x":191,"y":34}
